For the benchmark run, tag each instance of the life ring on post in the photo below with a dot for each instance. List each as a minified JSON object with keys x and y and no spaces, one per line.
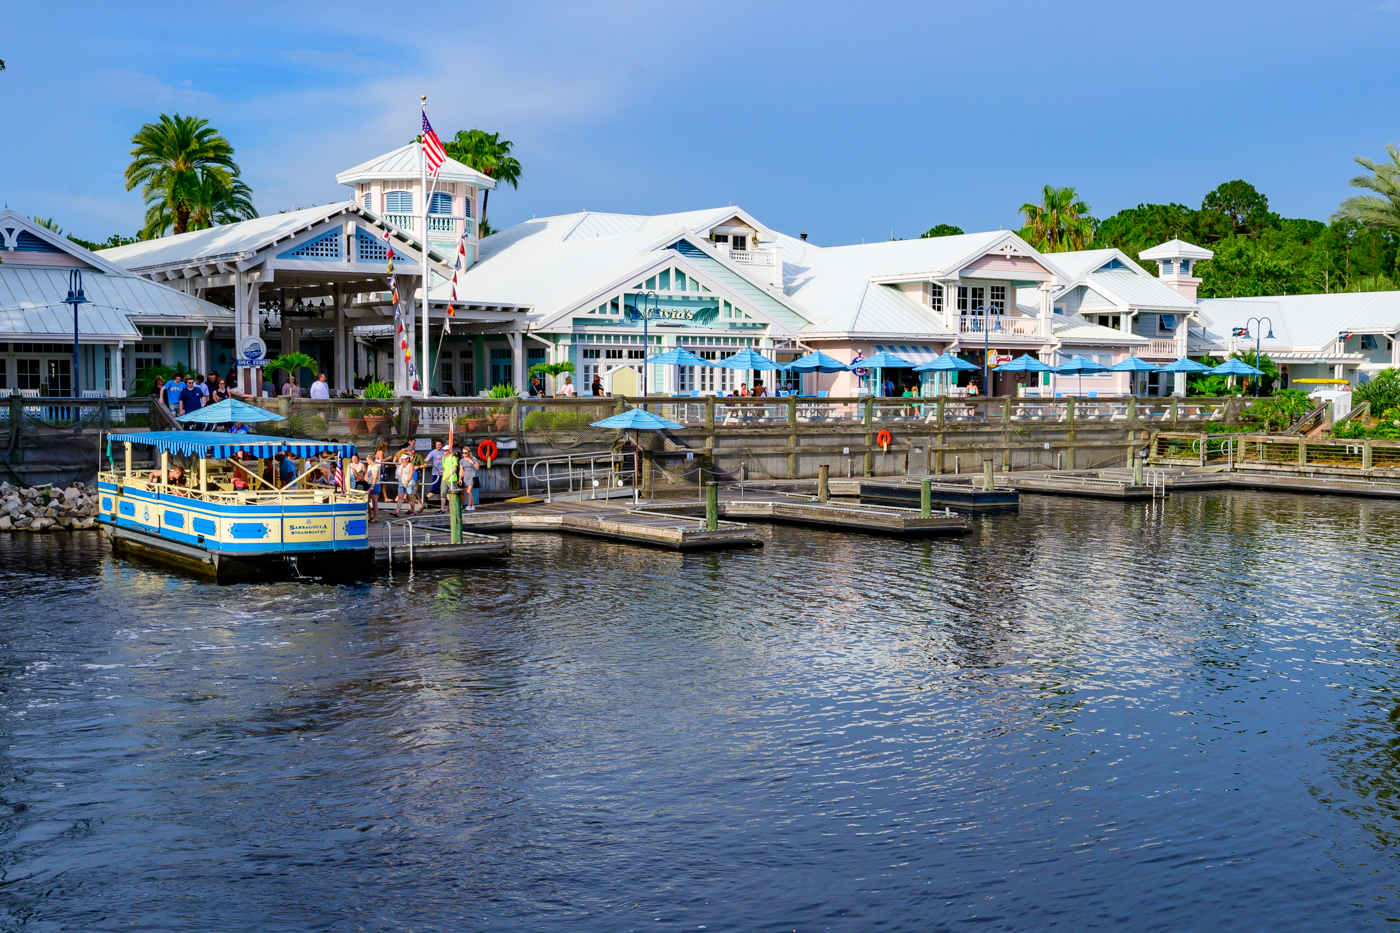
{"x":884,"y":440}
{"x":487,"y":450}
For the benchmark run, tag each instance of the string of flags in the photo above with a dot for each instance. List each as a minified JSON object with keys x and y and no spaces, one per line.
{"x":1240,"y":332}
{"x":400,"y":330}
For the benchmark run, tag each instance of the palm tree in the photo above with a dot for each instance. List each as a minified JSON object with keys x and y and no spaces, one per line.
{"x":1379,"y":211}
{"x":210,"y":203}
{"x":490,"y":155}
{"x":178,"y":161}
{"x":48,"y":223}
{"x":1060,"y":222}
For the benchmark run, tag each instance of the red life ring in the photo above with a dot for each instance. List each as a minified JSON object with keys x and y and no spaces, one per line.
{"x":884,"y":439}
{"x":487,"y":450}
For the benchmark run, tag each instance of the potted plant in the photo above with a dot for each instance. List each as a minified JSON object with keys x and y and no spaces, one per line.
{"x":473,"y":423}
{"x":378,"y":419}
{"x":355,"y":418}
{"x":500,"y":417}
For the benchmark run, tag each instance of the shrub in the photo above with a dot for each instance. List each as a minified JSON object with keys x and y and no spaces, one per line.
{"x":379,"y":389}
{"x":1382,"y":391}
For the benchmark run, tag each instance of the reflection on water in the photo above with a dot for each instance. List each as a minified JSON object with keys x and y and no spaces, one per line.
{"x":1171,"y":716}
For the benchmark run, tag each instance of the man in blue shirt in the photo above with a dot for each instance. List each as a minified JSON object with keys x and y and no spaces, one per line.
{"x":172,"y":393}
{"x":287,"y":469}
{"x":190,"y":398}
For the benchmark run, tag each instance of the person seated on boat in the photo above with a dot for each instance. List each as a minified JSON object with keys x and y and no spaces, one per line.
{"x":238,"y":427}
{"x":177,"y":475}
{"x":287,"y":470}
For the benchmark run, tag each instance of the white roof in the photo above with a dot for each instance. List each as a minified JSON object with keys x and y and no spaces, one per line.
{"x":1303,"y":321}
{"x":406,"y":163}
{"x":1176,"y":249}
{"x":1138,"y":291}
{"x":242,"y":240}
{"x":31,"y":294}
{"x":1077,"y":329}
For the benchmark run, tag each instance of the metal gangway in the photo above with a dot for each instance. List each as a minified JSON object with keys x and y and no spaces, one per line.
{"x":572,"y":475}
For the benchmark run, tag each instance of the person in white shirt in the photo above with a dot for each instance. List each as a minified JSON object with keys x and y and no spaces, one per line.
{"x":568,"y":389}
{"x":321,"y":388}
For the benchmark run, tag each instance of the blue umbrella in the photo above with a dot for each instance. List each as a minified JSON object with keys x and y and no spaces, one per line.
{"x":1235,"y":368}
{"x":229,"y":411}
{"x":947,"y":363}
{"x":1080,"y":365}
{"x":1022,"y":364}
{"x":749,"y":358}
{"x":1134,"y":364}
{"x":637,"y":419}
{"x":1185,"y":365}
{"x":679,"y":357}
{"x":817,"y":362}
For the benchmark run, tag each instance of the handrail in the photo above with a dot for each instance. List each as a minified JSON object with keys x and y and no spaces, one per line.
{"x":1309,"y":421}
{"x":528,"y":468}
{"x":1360,"y":411}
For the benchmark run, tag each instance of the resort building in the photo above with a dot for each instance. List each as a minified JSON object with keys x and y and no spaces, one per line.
{"x":126,"y":324}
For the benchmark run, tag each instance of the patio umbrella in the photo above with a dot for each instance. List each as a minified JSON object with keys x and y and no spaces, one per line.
{"x":1235,"y":368}
{"x":636,"y":419}
{"x":1134,"y":364}
{"x":229,"y":411}
{"x":1185,"y":365}
{"x":679,"y":357}
{"x":1022,"y":364}
{"x":947,"y":363}
{"x":1078,"y":366}
{"x":817,"y":362}
{"x":749,"y":358}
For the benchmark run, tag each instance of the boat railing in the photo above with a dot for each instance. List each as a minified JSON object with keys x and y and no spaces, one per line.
{"x":573,"y":472}
{"x":312,"y":495}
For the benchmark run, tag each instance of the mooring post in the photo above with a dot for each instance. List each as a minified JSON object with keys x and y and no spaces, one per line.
{"x":824,"y":482}
{"x":987,"y":484}
{"x":926,"y":498}
{"x":1137,"y":468}
{"x":712,"y":506}
{"x":454,"y":509}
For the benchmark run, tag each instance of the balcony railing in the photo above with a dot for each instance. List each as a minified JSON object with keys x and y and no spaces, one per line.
{"x":402,"y":221}
{"x":441,"y":224}
{"x":999,"y":324}
{"x":751,"y":257}
{"x":1157,"y":347}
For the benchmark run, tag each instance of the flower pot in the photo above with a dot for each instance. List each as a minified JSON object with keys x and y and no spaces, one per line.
{"x":378,"y":424}
{"x":475,"y":425}
{"x":413,"y":426}
{"x":500,"y":420}
{"x":357,"y":426}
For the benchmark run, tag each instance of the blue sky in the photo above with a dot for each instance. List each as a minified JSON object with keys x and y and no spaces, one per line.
{"x":849,"y":121}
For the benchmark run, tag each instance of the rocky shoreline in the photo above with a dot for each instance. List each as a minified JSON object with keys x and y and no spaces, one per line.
{"x":44,"y":508}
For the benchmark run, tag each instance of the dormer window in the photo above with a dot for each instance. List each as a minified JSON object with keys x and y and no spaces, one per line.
{"x":1185,"y":267}
{"x":740,"y":242}
{"x":721,"y":239}
{"x":1166,"y":267}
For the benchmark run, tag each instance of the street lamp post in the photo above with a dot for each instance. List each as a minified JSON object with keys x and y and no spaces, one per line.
{"x":1257,"y":323}
{"x":986,"y":349}
{"x":645,"y":312}
{"x":75,"y":298}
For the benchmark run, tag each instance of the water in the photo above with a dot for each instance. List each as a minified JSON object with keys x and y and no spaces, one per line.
{"x":1089,"y":716}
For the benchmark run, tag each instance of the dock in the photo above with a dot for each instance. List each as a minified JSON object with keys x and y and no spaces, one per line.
{"x":429,"y":541}
{"x":615,"y":521}
{"x":968,"y":496}
{"x":861,"y":518}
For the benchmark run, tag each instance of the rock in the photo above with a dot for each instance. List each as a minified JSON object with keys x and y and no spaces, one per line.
{"x":71,"y":494}
{"x":41,"y":524}
{"x":86,"y":523}
{"x":23,"y":522}
{"x":6,"y":523}
{"x":50,"y":512}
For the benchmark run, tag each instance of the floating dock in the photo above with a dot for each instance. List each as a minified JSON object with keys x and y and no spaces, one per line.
{"x":861,"y":518}
{"x":967,"y":496}
{"x":604,"y":519}
{"x":429,"y":541}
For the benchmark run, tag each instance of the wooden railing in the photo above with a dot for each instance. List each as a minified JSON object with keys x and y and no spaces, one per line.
{"x":1276,"y":452}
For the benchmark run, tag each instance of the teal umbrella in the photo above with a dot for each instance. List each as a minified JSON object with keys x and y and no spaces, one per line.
{"x":947,"y":363}
{"x":817,"y":362}
{"x":1235,"y":368}
{"x":1022,"y":364}
{"x":636,"y":419}
{"x":1134,"y":364}
{"x":679,"y":357}
{"x":749,"y":358}
{"x":1185,"y":365}
{"x":229,"y":411}
{"x":1078,"y":367}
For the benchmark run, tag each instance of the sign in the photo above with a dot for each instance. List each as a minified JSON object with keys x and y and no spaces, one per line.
{"x":997,"y":358}
{"x":252,"y":351}
{"x":422,"y":443}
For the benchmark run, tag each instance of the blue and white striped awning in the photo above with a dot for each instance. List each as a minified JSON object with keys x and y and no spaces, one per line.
{"x":219,"y":446}
{"x":915,"y":354}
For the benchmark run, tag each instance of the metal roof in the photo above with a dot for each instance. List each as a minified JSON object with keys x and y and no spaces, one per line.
{"x":1137,"y":291}
{"x":1176,"y":249}
{"x":405,"y":163}
{"x":1303,"y":321}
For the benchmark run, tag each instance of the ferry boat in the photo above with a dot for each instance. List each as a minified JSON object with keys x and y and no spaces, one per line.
{"x":222,"y":519}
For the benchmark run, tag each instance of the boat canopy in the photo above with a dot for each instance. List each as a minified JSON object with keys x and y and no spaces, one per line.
{"x":219,"y":446}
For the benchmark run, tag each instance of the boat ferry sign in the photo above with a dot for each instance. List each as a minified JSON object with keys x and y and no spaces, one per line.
{"x":252,"y":351}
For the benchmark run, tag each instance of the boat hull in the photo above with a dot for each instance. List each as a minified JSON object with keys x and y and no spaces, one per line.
{"x":242,"y":567}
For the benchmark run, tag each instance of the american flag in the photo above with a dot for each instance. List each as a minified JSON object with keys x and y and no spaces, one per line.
{"x":432,"y":147}
{"x":338,"y":478}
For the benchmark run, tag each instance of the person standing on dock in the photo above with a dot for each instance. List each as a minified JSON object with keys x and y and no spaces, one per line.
{"x":434,"y":462}
{"x":467,"y":472}
{"x":405,"y":477}
{"x":451,"y":471}
{"x":374,"y":476}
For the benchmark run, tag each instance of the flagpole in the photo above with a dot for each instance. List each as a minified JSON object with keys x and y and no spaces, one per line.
{"x":424,"y":362}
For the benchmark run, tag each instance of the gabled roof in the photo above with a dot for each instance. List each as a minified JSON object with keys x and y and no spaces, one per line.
{"x":1137,"y":291}
{"x":1077,"y":329}
{"x":239,"y":241}
{"x":31,"y":295}
{"x":1176,"y":249}
{"x":1081,"y":262}
{"x":405,"y":163}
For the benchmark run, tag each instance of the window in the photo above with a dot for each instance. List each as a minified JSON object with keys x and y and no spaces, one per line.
{"x":722,"y":239}
{"x":4,"y":383}
{"x":1166,"y":267}
{"x":148,"y":355}
{"x":612,"y":353}
{"x":976,"y":298}
{"x":707,"y":373}
{"x":1369,"y":342}
{"x":740,"y":242}
{"x":27,"y":374}
{"x":366,"y":200}
{"x":440,"y":204}
{"x":663,"y":280}
{"x":935,"y":298}
{"x":1185,"y":267}
{"x":398,"y":202}
{"x":1109,"y":320}
{"x":445,"y":380}
{"x":636,"y":354}
{"x":1166,"y":323}
{"x":60,"y":374}
{"x":997,"y":298}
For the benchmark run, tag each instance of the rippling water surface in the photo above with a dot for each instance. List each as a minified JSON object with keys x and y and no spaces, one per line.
{"x":1087,"y":716}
